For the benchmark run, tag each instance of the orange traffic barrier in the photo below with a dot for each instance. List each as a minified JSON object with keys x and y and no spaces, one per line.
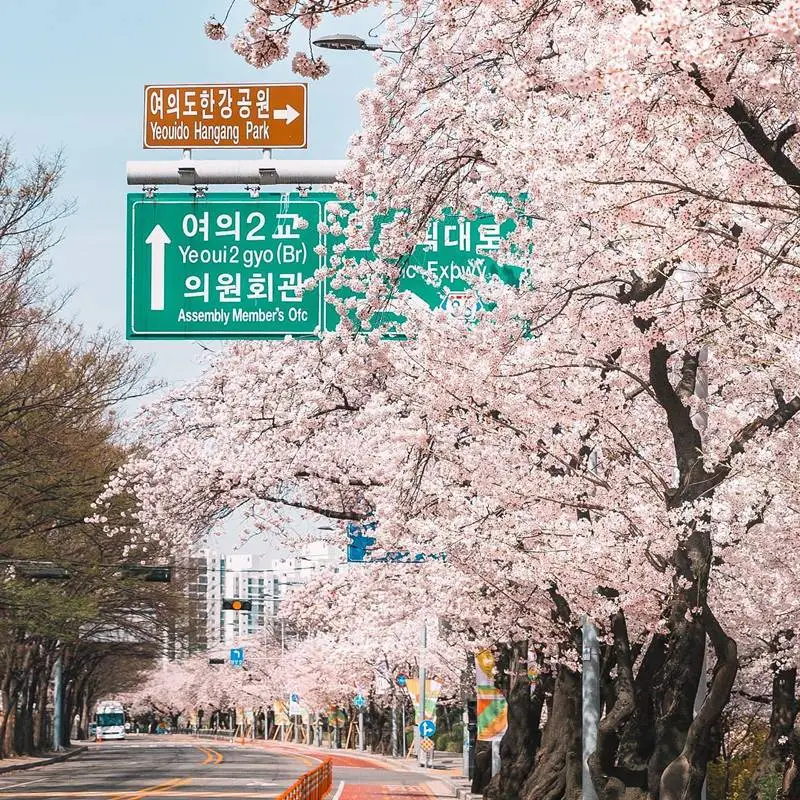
{"x":314,"y":785}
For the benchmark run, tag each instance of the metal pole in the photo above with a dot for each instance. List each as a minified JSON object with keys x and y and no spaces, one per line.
{"x":394,"y":727}
{"x":57,"y":703}
{"x":591,"y":703}
{"x":403,"y":731}
{"x":422,"y":653}
{"x":496,"y":756}
{"x":466,"y":745}
{"x":361,"y":729}
{"x":257,"y":172}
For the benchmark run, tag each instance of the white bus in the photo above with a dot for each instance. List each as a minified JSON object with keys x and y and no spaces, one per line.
{"x":109,"y":718}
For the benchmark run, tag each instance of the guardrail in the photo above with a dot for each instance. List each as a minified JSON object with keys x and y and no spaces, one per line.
{"x":314,"y":785}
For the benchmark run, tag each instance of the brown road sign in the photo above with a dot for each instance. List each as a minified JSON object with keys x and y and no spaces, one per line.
{"x":226,"y":116}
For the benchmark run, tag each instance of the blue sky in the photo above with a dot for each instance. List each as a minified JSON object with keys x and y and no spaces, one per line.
{"x":72,"y":78}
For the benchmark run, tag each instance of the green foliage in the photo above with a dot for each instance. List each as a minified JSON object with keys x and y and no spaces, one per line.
{"x":731,"y":778}
{"x":451,"y":741}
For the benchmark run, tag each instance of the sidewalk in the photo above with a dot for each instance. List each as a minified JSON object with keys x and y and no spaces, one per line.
{"x":29,"y":762}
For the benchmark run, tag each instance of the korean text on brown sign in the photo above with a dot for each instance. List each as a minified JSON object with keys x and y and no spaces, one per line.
{"x":226,"y":116}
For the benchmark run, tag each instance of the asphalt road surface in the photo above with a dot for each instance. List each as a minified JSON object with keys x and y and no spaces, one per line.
{"x":145,"y":767}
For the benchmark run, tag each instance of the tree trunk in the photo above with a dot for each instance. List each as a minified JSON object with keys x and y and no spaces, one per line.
{"x":521,"y":741}
{"x":602,"y":763}
{"x":778,"y":746}
{"x":637,"y":737}
{"x":557,"y":772}
{"x":684,"y":777}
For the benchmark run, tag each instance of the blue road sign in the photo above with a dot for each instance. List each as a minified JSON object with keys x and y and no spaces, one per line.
{"x":237,"y":656}
{"x":360,"y":547}
{"x":401,"y":680}
{"x":359,"y":701}
{"x":427,"y":728}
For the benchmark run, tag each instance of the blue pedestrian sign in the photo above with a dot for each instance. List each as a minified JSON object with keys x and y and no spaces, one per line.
{"x":237,"y":656}
{"x":427,"y":728}
{"x":359,"y":701}
{"x":401,"y":680}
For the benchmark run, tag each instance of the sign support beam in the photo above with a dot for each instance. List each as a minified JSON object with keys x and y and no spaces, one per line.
{"x":263,"y":172}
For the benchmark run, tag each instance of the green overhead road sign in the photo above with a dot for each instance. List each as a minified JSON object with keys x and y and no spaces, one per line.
{"x":223,"y":267}
{"x":227,"y":266}
{"x":454,"y":255}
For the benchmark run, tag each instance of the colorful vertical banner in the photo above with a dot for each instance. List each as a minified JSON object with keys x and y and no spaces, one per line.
{"x":432,"y":690}
{"x":280,"y":710}
{"x":492,"y":705}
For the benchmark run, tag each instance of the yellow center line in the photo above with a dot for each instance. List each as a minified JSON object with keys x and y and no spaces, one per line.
{"x":150,"y":791}
{"x":164,"y":789}
{"x":211,"y":755}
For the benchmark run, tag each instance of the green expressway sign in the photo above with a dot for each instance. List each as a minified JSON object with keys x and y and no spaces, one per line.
{"x":226,"y":266}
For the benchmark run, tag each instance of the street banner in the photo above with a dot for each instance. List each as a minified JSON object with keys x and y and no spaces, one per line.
{"x":280,"y":710}
{"x":336,"y":718}
{"x":432,"y":691}
{"x":492,"y":705}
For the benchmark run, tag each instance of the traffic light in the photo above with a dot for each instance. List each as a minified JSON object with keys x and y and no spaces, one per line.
{"x":41,"y":570}
{"x":152,"y":574}
{"x":235,"y":604}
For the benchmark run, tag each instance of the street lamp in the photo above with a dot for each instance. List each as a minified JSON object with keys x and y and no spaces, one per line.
{"x":345,"y":41}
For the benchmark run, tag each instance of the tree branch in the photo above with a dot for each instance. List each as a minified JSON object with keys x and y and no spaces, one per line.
{"x":770,"y":150}
{"x":686,"y":438}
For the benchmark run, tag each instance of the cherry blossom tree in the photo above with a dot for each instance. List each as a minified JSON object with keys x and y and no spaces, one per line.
{"x":609,"y":437}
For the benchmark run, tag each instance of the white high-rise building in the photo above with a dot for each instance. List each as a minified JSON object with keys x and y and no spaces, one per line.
{"x":261,"y":580}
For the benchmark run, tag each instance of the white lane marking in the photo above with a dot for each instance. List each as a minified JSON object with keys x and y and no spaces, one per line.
{"x":26,"y":783}
{"x":338,"y":791}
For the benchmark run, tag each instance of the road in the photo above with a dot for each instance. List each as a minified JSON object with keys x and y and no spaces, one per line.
{"x":141,"y":768}
{"x":184,"y":769}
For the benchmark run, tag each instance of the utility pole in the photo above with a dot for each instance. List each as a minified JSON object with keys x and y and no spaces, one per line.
{"x":58,"y":676}
{"x":394,"y":726}
{"x":422,"y":756}
{"x":590,"y":686}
